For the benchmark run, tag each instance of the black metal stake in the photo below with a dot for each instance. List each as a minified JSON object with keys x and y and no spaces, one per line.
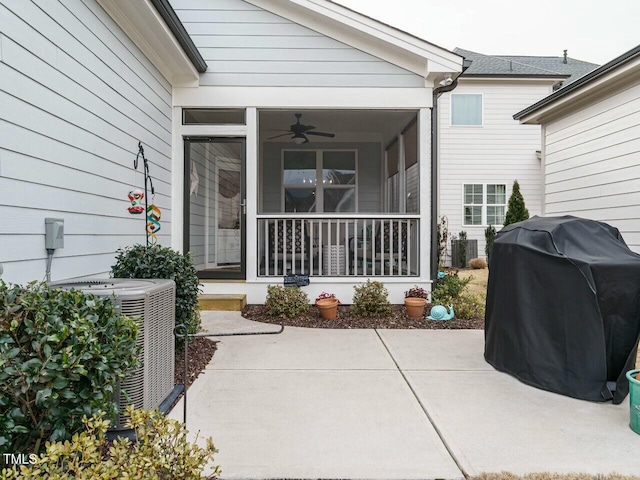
{"x":181,"y":331}
{"x":147,"y":178}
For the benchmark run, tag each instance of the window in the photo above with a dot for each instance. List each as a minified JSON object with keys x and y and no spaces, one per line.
{"x":319,"y":181}
{"x":212,"y":116}
{"x":466,"y":109}
{"x":484,"y":204}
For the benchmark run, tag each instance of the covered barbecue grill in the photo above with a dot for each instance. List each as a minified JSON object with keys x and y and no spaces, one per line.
{"x":563,"y":307}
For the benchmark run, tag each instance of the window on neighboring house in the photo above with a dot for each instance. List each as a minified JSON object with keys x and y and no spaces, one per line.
{"x":319,"y":181}
{"x":466,"y":109}
{"x":484,"y":204}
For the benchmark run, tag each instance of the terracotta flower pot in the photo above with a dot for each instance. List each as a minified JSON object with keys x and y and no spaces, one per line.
{"x":328,"y":308}
{"x":415,"y":307}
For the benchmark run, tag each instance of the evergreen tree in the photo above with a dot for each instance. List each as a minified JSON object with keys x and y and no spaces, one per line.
{"x":517,"y":211}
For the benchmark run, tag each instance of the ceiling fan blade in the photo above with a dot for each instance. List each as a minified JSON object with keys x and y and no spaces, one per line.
{"x":306,"y":128}
{"x":278,"y":136}
{"x":321,"y":134}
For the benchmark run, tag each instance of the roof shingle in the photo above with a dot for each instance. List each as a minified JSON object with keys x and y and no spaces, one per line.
{"x":520,"y":65}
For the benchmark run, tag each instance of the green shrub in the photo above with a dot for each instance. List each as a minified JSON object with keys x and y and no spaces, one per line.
{"x":462,"y":249}
{"x":287,"y":302}
{"x":516,"y":211}
{"x":472,"y":305}
{"x":465,"y":305}
{"x":161,"y":452}
{"x":61,"y":355}
{"x":371,"y":300}
{"x":451,"y":286}
{"x":490,"y":237}
{"x":163,"y":262}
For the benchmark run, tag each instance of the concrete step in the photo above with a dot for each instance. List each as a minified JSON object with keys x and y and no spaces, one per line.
{"x":226,"y":302}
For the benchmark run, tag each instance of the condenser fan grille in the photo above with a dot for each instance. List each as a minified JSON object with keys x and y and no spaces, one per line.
{"x":151,"y":303}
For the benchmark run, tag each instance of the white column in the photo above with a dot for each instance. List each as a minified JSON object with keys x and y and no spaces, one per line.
{"x":402,"y":176}
{"x":424,"y":159}
{"x":251,"y":176}
{"x":177,"y":181}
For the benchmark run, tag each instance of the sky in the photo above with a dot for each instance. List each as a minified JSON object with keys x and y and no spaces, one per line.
{"x":591,"y":30}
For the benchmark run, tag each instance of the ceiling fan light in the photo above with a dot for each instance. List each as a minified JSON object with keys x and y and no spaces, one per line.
{"x":298,"y":139}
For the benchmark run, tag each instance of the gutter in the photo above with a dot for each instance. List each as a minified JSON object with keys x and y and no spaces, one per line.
{"x":437,"y":92}
{"x":593,"y":75}
{"x":175,"y":25}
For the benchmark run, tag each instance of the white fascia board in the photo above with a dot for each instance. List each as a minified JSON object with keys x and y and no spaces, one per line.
{"x":587,"y":93}
{"x":145,"y":27}
{"x":548,"y":80}
{"x":368,"y":35}
{"x":302,"y":97}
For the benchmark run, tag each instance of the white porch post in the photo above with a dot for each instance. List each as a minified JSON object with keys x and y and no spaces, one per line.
{"x":424,"y":157}
{"x":177,"y":181}
{"x":251,"y":251}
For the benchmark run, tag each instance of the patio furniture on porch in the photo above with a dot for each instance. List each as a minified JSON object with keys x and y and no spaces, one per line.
{"x":385,"y":251}
{"x":390,"y":248}
{"x":290,"y":247}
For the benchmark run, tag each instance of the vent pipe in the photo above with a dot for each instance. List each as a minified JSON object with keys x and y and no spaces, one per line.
{"x":565,"y":57}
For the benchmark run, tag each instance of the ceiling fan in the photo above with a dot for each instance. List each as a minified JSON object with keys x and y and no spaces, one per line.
{"x":299,"y":132}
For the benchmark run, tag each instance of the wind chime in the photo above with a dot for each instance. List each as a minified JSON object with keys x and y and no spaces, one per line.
{"x":136,"y":196}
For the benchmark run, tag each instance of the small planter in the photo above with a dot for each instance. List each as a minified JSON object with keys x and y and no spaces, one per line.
{"x":634,"y":400}
{"x":328,"y":308}
{"x":415,"y":307}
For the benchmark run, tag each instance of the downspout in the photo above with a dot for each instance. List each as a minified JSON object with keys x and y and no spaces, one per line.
{"x":434,"y":168}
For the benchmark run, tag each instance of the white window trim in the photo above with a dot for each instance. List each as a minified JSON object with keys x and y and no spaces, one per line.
{"x":319,"y":188}
{"x":451,"y":124}
{"x":484,"y":205}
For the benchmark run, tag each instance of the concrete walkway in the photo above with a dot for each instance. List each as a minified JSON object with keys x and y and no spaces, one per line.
{"x":389,"y":404}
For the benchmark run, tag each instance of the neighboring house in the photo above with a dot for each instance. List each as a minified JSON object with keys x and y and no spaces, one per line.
{"x":482,"y":149}
{"x":223,"y":96}
{"x":591,"y":145}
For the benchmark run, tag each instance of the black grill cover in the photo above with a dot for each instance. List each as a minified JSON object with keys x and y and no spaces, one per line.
{"x":563,"y":306}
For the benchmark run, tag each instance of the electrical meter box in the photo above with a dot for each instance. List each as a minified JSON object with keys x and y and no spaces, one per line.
{"x":53,"y":233}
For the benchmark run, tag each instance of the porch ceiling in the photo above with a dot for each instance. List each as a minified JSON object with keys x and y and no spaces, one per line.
{"x":348,"y":125}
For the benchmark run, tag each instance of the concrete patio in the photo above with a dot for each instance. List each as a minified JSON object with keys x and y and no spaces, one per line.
{"x":389,"y":404}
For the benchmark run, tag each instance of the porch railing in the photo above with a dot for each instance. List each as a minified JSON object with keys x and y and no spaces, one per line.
{"x":344,"y":245}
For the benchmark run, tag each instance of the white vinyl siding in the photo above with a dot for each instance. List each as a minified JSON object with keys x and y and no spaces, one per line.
{"x":76,"y":96}
{"x":244,"y":45}
{"x":591,"y":163}
{"x":498,"y":153}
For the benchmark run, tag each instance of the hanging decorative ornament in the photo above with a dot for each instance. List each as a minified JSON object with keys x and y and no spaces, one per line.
{"x":153,"y":223}
{"x":195,"y":180}
{"x":135,"y":197}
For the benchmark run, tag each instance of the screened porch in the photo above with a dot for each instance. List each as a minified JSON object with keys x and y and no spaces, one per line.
{"x":338,"y":193}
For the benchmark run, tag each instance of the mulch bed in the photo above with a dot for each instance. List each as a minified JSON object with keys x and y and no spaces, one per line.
{"x":397,"y":319}
{"x":199,"y":354}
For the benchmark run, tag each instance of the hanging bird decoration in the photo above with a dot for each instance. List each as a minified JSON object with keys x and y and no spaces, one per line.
{"x":135,"y":197}
{"x":152,"y":223}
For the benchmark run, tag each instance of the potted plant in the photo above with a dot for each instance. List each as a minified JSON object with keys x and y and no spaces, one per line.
{"x":415,"y":300}
{"x":327,"y":303}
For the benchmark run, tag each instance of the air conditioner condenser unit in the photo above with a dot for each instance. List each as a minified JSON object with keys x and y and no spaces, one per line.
{"x":151,"y":303}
